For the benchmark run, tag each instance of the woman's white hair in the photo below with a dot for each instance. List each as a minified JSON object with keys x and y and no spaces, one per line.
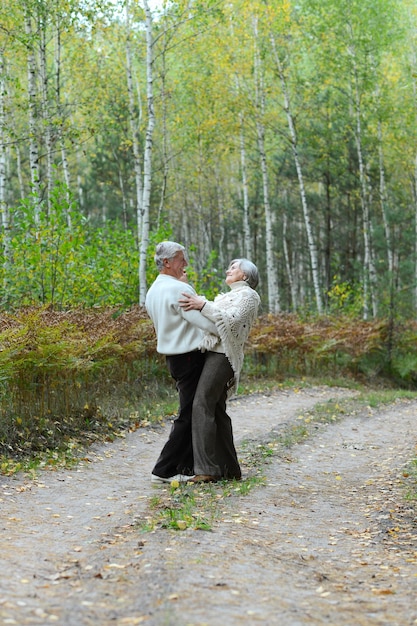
{"x":250,"y":271}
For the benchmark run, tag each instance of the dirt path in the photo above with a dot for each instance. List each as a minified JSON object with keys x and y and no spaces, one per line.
{"x":328,"y":539}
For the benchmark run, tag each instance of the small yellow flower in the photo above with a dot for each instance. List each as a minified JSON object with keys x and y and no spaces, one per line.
{"x":182,"y":524}
{"x":175,"y":484}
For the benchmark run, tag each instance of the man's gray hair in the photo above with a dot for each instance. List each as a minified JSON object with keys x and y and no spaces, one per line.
{"x":166,"y":250}
{"x":250,"y":271}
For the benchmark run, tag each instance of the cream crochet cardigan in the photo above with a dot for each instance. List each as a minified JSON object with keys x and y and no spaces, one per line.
{"x":234,"y":314}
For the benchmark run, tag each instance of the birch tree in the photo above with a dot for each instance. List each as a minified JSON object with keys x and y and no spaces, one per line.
{"x":61,"y":113}
{"x":33,"y":116}
{"x":135,"y":114}
{"x":42,"y":28}
{"x":411,"y":16}
{"x":245,"y":191}
{"x":272,"y":274}
{"x":147,"y":167}
{"x":4,"y":209}
{"x":312,"y":247}
{"x":369,"y":276}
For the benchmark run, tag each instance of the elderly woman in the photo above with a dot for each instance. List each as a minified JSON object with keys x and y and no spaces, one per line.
{"x":233,"y":313}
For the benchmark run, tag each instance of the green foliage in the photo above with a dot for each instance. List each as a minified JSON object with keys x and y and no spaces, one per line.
{"x":182,"y":505}
{"x":182,"y":508}
{"x":344,"y":298}
{"x":207,"y":281}
{"x":59,"y":260}
{"x":403,"y":362}
{"x":204,"y":85}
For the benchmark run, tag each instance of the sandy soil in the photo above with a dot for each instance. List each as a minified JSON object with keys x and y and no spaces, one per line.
{"x":329,"y":539}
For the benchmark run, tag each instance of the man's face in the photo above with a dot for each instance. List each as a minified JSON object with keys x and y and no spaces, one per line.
{"x":175,"y":267}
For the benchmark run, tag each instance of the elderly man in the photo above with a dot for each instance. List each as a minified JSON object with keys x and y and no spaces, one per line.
{"x":179,"y":334}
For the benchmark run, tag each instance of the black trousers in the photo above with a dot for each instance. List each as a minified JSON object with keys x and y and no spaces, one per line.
{"x":214,"y":448}
{"x":177,"y":454}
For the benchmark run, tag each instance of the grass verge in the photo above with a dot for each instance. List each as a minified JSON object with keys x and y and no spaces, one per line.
{"x":183,"y":506}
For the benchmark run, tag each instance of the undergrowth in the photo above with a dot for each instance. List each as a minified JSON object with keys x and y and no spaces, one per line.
{"x":68,"y":378}
{"x":186,"y":505}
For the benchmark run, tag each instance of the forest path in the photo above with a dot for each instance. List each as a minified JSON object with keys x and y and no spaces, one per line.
{"x":328,"y":540}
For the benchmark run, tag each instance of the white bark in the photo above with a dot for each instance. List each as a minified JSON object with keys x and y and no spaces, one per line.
{"x":300,"y":278}
{"x":45,"y":112}
{"x":271,"y":261}
{"x":16,"y":148}
{"x":33,"y":130}
{"x":245,"y":192}
{"x":306,"y":211}
{"x":273,"y":293}
{"x":369,"y":279}
{"x":4,"y":210}
{"x":164,"y":119}
{"x":415,"y":232}
{"x":383,"y":202}
{"x":3,"y":134}
{"x":414,"y":189}
{"x":147,"y":169}
{"x":134,"y":121}
{"x":20,"y":172}
{"x":80,"y":190}
{"x":64,"y":158}
{"x":288,"y":269}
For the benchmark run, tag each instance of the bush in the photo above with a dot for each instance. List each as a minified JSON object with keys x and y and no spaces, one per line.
{"x":66,"y":374}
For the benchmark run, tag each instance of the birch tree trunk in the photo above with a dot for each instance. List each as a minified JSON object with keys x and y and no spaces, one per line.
{"x":306,"y":211}
{"x":415,"y":233}
{"x":327,"y":244}
{"x":60,"y":112}
{"x":80,"y":188}
{"x":220,"y":213}
{"x":4,"y":210}
{"x":45,"y":106}
{"x":271,"y":262}
{"x":122,"y":189}
{"x":18,"y":153}
{"x":383,"y":203}
{"x":300,"y":278}
{"x":245,"y":192}
{"x":288,"y":269}
{"x":147,"y":169}
{"x":20,"y":172}
{"x":414,"y":188}
{"x":33,"y":120}
{"x":134,"y":122}
{"x":369,"y":279}
{"x":164,"y":119}
{"x":247,"y":238}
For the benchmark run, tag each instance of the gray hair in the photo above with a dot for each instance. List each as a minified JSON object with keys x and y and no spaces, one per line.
{"x":250,"y":271}
{"x":166,"y":250}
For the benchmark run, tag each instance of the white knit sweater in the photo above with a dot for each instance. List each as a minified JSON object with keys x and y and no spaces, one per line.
{"x":234,"y":314}
{"x":177,"y":331}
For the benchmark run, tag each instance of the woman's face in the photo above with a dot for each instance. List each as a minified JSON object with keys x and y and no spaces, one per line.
{"x":234,"y":273}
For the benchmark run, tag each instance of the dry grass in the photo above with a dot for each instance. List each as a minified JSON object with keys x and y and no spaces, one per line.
{"x":89,"y":370}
